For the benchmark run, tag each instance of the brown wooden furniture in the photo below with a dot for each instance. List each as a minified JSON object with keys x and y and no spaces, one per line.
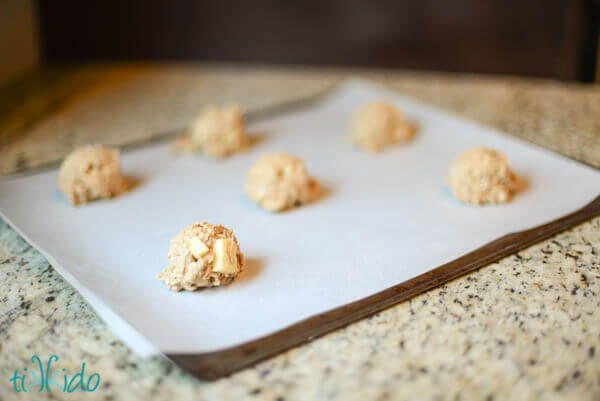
{"x":541,"y":38}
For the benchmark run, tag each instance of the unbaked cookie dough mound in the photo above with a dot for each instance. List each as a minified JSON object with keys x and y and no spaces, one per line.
{"x":91,"y":172}
{"x":202,"y":255}
{"x":217,"y":131}
{"x":482,"y":175}
{"x":279,"y":181}
{"x":377,"y":125}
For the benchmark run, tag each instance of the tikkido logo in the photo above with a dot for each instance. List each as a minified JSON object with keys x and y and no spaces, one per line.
{"x":39,"y":375}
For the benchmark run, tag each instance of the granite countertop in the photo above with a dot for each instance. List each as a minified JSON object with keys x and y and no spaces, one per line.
{"x":525,"y":328}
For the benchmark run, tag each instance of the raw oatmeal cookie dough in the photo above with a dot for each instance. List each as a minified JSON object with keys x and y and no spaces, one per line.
{"x":482,"y":175}
{"x":377,"y":125}
{"x":91,"y":172}
{"x":202,"y":255}
{"x":279,"y":181}
{"x":217,"y":131}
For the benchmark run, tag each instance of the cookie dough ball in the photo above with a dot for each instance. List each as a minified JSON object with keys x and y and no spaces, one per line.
{"x":218,"y":132}
{"x":279,"y":181}
{"x":482,"y":175}
{"x":202,"y":255}
{"x":91,"y":172}
{"x":377,"y":125}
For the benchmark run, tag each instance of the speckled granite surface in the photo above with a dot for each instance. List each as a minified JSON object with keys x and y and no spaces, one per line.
{"x":525,"y":328}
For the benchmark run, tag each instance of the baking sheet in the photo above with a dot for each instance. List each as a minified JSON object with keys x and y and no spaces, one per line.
{"x":385,"y":219}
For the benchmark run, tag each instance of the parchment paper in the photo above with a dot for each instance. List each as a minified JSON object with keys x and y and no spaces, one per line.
{"x":385,"y":219}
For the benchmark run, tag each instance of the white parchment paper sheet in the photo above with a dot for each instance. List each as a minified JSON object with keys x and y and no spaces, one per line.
{"x":386,"y":218}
